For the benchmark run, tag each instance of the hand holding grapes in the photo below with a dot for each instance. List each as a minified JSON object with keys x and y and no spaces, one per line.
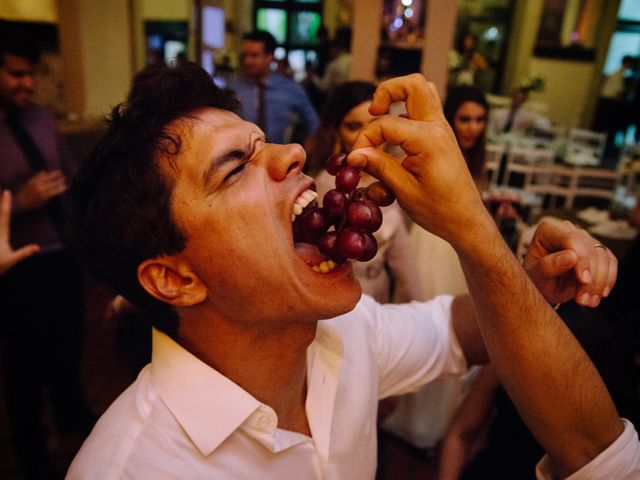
{"x":433,"y":183}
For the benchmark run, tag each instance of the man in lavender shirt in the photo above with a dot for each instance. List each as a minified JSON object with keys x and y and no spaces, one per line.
{"x":41,"y":299}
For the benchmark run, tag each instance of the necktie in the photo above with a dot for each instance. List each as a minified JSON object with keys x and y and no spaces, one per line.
{"x":261,"y":117}
{"x":37,"y":163}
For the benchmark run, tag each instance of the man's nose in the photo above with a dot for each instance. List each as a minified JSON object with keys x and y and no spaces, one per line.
{"x":284,"y":159}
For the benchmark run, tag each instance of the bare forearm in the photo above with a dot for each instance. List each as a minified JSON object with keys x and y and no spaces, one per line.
{"x":453,"y":458}
{"x":548,"y":376}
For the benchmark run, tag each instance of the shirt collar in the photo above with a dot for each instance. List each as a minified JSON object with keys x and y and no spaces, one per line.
{"x":210,"y":407}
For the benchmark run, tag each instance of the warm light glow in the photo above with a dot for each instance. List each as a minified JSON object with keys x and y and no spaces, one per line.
{"x":407,"y":3}
{"x":29,"y":10}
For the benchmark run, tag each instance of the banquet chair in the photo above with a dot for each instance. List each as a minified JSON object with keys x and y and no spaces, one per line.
{"x":554,"y":182}
{"x":527,"y":162}
{"x":585,"y":145}
{"x":591,"y":184}
{"x":493,"y":157}
{"x":588,"y":185}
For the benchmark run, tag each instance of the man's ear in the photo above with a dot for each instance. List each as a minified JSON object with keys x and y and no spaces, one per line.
{"x":171,"y":281}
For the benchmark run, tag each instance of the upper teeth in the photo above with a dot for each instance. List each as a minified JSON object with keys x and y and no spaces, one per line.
{"x":302,"y":201}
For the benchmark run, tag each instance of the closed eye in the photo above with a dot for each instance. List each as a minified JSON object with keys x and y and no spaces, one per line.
{"x":236,"y":170}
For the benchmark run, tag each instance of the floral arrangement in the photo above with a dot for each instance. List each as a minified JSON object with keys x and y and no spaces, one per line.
{"x":533,"y":83}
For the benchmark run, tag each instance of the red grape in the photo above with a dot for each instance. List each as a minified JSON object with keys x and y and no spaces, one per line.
{"x":334,"y":203}
{"x":314,"y":222}
{"x":351,"y":242}
{"x":365,"y":215}
{"x":335,"y":163}
{"x":328,"y":245}
{"x":380,"y":194}
{"x":347,"y":179}
{"x":370,"y":247}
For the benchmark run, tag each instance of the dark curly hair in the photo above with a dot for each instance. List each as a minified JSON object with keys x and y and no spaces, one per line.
{"x":15,"y":40}
{"x":121,"y":194}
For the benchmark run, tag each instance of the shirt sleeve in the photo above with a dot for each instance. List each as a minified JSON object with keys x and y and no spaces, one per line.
{"x":414,"y":343}
{"x":620,"y":460}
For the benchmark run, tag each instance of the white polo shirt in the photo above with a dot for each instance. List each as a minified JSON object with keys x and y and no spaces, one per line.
{"x":182,"y":419}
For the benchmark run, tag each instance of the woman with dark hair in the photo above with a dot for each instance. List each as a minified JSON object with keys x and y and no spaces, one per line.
{"x":391,"y":274}
{"x":467,"y":111}
{"x":336,"y":125}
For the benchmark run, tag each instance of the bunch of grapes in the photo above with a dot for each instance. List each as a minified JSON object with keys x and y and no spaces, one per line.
{"x":343,"y":227}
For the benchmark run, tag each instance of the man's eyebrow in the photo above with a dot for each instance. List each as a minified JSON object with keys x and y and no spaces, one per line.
{"x":220,"y":160}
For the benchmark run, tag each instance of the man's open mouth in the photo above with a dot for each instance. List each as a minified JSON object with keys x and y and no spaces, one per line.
{"x":305,"y":244}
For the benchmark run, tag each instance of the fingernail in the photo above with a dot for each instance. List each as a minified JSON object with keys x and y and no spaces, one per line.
{"x":595,"y":300}
{"x":606,"y":292}
{"x":565,"y":259}
{"x":584,"y":299}
{"x":586,"y":276}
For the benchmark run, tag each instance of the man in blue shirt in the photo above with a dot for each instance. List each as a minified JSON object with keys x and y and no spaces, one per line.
{"x":269,"y":99}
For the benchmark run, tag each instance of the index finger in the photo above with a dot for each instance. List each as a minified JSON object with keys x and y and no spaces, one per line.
{"x":421,"y":97}
{"x":392,"y":130}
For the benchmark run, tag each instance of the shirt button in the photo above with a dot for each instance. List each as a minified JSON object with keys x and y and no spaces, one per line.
{"x":263,"y":422}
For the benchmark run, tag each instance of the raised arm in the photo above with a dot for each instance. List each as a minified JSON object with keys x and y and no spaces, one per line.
{"x":470,"y":421}
{"x":548,"y":376}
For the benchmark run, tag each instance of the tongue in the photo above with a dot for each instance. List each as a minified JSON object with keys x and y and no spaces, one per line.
{"x":309,"y":254}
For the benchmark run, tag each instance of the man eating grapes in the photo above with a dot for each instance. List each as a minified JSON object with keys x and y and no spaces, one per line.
{"x":266,"y":367}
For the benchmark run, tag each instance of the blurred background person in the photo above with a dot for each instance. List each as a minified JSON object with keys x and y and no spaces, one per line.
{"x":516,"y":118}
{"x":338,"y":68}
{"x":468,"y":61}
{"x":269,"y":99}
{"x":42,"y":298}
{"x":611,"y":115}
{"x":391,"y":275}
{"x":488,"y":439}
{"x":422,"y":417}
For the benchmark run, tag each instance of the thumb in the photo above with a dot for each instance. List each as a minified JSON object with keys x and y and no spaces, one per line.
{"x":382,"y":166}
{"x":553,"y":265}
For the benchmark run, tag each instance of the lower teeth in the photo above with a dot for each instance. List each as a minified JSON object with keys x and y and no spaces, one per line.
{"x":324,"y":267}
